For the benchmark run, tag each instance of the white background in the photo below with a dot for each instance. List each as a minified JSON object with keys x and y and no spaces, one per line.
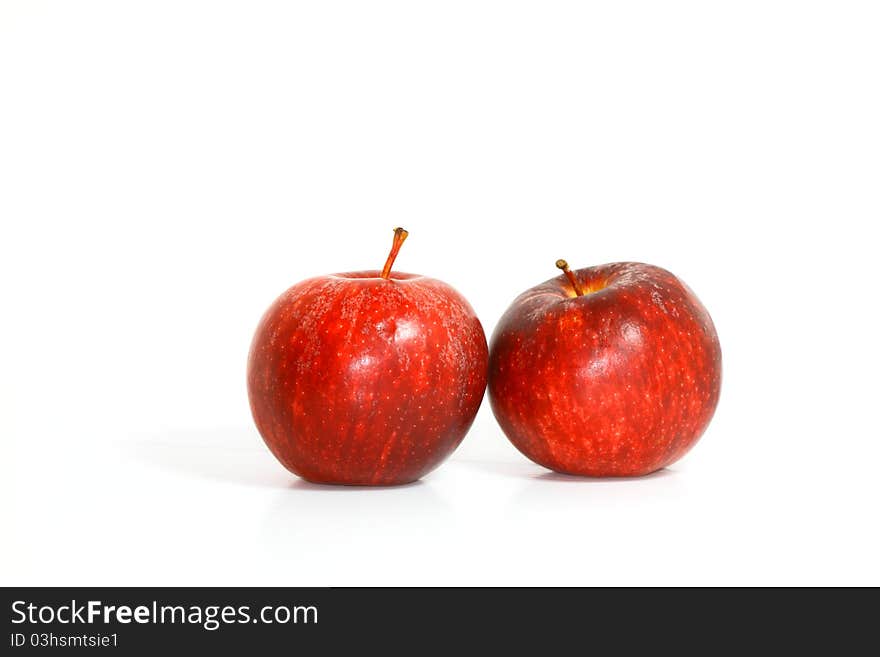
{"x":168,"y":168}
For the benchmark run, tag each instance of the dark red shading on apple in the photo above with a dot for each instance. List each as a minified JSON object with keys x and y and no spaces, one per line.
{"x":612,"y":370}
{"x":369,"y":377}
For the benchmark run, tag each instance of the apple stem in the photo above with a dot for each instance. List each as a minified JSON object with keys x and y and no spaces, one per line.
{"x":399,"y":236}
{"x":563,"y":265}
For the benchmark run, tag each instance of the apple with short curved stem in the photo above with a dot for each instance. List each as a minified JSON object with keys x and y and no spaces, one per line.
{"x":612,"y":370}
{"x":368,"y":377}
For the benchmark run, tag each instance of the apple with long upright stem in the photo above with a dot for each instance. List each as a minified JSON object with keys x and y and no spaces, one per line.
{"x":367,"y":377}
{"x":612,"y":370}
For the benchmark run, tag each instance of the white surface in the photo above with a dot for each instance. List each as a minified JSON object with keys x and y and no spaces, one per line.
{"x":168,"y":168}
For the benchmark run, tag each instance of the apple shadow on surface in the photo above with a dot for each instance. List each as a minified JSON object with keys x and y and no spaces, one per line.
{"x":230,"y":456}
{"x":234,"y":456}
{"x":535,"y":472}
{"x":304,"y":485}
{"x":582,"y":479}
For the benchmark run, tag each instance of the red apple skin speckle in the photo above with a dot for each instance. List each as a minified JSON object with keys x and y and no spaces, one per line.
{"x":622,"y":381}
{"x":356,"y":379}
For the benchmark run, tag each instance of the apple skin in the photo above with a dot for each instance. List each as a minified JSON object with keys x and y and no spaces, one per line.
{"x":362,"y":380}
{"x":621,"y":381}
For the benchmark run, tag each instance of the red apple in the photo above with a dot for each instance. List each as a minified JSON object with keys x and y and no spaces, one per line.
{"x":367,"y":377}
{"x":612,"y":370}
